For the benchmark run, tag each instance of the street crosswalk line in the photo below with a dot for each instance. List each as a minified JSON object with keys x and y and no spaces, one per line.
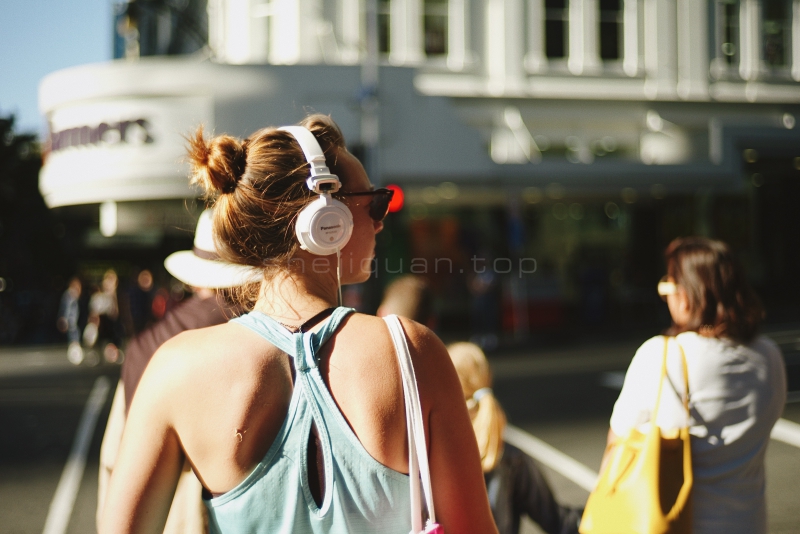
{"x":786,"y":431}
{"x":64,"y":499}
{"x":551,"y":457}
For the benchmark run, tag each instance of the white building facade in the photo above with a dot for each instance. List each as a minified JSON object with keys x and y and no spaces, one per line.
{"x":578,"y":119}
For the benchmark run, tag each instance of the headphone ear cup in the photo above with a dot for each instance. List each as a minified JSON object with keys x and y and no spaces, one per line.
{"x":324,"y":226}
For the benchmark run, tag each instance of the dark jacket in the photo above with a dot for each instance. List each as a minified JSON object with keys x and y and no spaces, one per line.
{"x":516,"y":487}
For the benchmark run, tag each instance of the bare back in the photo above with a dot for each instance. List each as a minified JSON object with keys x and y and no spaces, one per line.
{"x":220,"y":395}
{"x":234,"y":401}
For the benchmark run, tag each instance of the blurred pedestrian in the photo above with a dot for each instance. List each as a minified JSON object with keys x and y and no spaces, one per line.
{"x":737,"y":385}
{"x":68,"y":315}
{"x":251,"y":402}
{"x":514,"y":482}
{"x":102,"y":331}
{"x":484,"y":288}
{"x":140,"y":298}
{"x":202,"y":270}
{"x":409,"y":296}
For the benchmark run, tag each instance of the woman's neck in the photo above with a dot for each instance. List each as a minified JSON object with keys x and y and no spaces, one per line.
{"x":295,"y":296}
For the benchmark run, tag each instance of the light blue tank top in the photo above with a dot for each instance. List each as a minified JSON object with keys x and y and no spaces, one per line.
{"x":361,"y":495}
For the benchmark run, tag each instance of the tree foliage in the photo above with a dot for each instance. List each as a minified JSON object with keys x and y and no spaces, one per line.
{"x":33,"y":264}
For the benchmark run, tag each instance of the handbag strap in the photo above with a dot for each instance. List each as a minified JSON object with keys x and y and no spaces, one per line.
{"x":688,"y":476}
{"x":685,"y":398}
{"x":417,"y":450}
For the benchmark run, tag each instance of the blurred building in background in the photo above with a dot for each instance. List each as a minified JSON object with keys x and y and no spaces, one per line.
{"x":548,"y":149}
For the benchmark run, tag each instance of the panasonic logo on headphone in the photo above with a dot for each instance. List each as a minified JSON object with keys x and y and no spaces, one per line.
{"x":330,"y":227}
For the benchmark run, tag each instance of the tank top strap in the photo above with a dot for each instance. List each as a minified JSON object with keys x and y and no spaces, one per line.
{"x":269,"y":329}
{"x":302,"y":346}
{"x":330,"y":326}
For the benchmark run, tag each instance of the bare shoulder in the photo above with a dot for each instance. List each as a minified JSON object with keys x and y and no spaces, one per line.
{"x":211,"y":343}
{"x":196,"y":357}
{"x":369,"y":335}
{"x":433,"y":367}
{"x":372,"y":331}
{"x":198,"y":348}
{"x":423,"y":340}
{"x":363,"y":328}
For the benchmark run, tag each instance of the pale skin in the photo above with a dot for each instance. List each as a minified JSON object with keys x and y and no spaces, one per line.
{"x":680,"y":311}
{"x":218,"y":396}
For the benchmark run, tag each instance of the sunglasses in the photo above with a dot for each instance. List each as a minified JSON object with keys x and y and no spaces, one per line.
{"x":666,"y":288}
{"x":378,"y":205}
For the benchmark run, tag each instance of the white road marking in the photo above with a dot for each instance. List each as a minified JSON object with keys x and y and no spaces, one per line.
{"x":551,"y":457}
{"x":67,"y":490}
{"x":787,"y":432}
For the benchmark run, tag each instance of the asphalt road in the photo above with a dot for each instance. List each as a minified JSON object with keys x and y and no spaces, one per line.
{"x":562,"y":396}
{"x":42,"y":400}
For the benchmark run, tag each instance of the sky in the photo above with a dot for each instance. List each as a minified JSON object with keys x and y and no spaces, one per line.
{"x":38,"y":37}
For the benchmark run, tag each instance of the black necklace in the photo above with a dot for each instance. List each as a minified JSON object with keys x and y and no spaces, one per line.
{"x":310,"y":322}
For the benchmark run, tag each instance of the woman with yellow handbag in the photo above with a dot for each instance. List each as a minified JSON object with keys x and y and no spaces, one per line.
{"x":716,"y":381}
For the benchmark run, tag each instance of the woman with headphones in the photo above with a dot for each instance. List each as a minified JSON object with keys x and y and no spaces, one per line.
{"x":292,"y":416}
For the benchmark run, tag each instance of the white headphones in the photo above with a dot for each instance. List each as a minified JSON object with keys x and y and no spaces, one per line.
{"x":326,"y":224}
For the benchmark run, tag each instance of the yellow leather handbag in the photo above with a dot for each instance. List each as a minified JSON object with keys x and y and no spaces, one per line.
{"x":647,"y":483}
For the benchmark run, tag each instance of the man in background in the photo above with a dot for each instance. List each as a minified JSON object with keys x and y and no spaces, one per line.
{"x":202,"y":270}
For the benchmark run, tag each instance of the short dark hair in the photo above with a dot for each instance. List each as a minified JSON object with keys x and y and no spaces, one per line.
{"x":720,"y":297}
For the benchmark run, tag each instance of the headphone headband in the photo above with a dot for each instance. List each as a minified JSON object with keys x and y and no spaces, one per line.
{"x":325,"y":225}
{"x":321,"y":180}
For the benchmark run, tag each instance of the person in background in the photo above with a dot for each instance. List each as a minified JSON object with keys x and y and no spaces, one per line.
{"x":484,"y":287}
{"x":737,"y":385}
{"x":102,"y":331}
{"x":202,"y":270}
{"x":140,"y":297}
{"x":68,"y":315}
{"x":515,"y":485}
{"x":409,"y":296}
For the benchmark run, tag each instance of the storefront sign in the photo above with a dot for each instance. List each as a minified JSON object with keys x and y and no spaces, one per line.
{"x":130,"y":131}
{"x":121,"y":149}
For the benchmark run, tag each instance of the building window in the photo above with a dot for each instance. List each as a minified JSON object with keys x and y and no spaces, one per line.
{"x":384,"y":28}
{"x":611,"y":20}
{"x":775,"y":32}
{"x":728,"y":32}
{"x":556,"y":18}
{"x":435,"y":27}
{"x":159,"y":29}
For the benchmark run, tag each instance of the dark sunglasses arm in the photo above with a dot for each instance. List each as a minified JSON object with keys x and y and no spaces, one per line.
{"x":388,"y":192}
